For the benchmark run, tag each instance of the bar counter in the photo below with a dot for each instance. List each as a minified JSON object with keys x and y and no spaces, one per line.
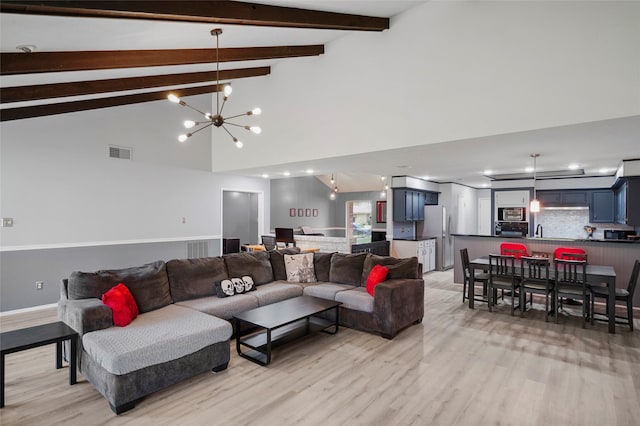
{"x":621,"y":254}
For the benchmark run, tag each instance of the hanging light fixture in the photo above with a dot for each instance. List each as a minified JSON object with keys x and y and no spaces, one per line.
{"x":334,"y":190}
{"x":535,"y":204}
{"x":385,"y":187}
{"x":216,"y":119}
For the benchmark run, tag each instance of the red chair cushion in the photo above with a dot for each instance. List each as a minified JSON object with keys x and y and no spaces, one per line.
{"x":514,"y":246}
{"x":377,"y":275}
{"x":566,"y":252}
{"x":122,"y":303}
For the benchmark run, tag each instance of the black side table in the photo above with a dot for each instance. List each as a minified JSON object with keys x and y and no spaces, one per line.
{"x":33,"y":337}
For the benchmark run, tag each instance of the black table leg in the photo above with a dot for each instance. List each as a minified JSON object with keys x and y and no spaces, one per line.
{"x":73,"y":360}
{"x":2,"y":383}
{"x":59,"y":354}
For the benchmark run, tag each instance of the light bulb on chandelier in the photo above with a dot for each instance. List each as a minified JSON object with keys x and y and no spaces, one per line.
{"x":216,"y":119}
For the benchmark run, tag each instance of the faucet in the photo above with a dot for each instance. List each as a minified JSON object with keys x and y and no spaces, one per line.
{"x":539,"y":230}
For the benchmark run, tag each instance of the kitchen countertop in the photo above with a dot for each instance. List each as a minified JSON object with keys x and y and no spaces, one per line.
{"x":414,"y":239}
{"x":551,"y":239}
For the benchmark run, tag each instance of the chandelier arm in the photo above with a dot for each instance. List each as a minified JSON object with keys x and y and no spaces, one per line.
{"x":202,"y":128}
{"x":226,"y":130}
{"x":195,"y":109}
{"x":224,"y":101}
{"x":234,"y":124}
{"x":235,"y":116}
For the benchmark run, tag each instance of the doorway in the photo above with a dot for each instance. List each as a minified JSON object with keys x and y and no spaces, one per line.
{"x":242,"y":215}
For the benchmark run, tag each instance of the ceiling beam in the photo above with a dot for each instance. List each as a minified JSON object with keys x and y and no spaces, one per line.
{"x":220,"y":12}
{"x":10,"y":114}
{"x":91,"y":87}
{"x":38,"y":62}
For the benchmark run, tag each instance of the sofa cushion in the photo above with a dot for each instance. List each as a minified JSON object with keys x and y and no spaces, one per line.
{"x":148,"y":284}
{"x":377,"y":275}
{"x":276,"y":292}
{"x":322,"y":265}
{"x":408,"y":266}
{"x":300,"y":268}
{"x":123,"y":305}
{"x":192,"y":278}
{"x":357,"y":299}
{"x":154,"y":338}
{"x":224,"y":308}
{"x":255,"y":263}
{"x":326,"y":290}
{"x":347,"y":268}
{"x":277,"y":262}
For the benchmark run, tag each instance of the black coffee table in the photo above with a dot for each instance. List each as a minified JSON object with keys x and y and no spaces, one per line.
{"x":33,"y":337}
{"x":282,"y":322}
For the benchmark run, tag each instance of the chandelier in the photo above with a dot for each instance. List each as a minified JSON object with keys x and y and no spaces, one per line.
{"x":216,"y":119}
{"x":535,"y":204}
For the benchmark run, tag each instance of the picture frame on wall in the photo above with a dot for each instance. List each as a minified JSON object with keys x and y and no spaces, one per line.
{"x":315,"y":212}
{"x":292,"y":212}
{"x":300,"y":212}
{"x":307,"y":212}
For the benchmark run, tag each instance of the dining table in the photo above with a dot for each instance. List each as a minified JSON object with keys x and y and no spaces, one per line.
{"x":596,"y":274}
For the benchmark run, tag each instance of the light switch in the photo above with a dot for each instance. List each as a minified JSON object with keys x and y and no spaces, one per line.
{"x":7,"y":222}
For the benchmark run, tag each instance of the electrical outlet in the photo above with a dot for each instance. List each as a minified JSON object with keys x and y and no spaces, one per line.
{"x":39,"y":285}
{"x":7,"y":222}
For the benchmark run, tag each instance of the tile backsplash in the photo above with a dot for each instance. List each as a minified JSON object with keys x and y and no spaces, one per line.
{"x":571,"y":223}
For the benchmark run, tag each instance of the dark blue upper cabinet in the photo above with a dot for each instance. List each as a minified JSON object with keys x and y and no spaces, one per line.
{"x":601,"y":208}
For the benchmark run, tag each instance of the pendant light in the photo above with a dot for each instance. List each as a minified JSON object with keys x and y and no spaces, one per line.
{"x":216,"y":119}
{"x":535,"y":204}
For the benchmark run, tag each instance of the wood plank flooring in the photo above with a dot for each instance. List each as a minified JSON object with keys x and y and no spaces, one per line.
{"x":459,"y":367}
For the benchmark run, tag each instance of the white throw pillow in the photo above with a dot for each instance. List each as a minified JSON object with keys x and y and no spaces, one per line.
{"x":300,"y":268}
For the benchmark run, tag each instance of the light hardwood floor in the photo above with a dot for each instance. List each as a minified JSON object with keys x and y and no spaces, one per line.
{"x":459,"y":367}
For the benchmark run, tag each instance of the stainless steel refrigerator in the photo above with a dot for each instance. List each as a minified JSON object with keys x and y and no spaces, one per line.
{"x":437,"y":223}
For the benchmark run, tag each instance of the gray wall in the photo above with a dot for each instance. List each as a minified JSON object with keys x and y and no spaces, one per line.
{"x":306,"y":193}
{"x":240,"y":216}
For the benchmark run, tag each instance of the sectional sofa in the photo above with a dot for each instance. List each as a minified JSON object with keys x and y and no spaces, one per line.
{"x":184,"y":327}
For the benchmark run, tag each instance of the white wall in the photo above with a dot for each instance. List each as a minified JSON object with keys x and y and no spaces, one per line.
{"x":447,"y":71}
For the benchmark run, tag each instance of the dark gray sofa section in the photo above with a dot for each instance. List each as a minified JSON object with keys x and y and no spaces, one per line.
{"x":189,"y":284}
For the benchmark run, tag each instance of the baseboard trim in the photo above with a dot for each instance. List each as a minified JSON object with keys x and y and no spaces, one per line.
{"x":29,"y":309}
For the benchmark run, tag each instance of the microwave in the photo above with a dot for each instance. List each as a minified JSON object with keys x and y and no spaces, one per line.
{"x":512,"y":214}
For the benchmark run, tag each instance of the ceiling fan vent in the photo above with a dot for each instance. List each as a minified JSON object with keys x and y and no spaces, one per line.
{"x":120,"y":152}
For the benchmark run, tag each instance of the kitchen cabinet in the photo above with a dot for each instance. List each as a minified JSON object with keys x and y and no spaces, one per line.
{"x":431,"y":198}
{"x":627,"y":201}
{"x":424,"y":250}
{"x":602,"y":207}
{"x":511,"y":198}
{"x":569,"y":198}
{"x":408,"y":205}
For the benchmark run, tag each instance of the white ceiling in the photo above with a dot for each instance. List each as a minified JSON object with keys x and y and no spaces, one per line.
{"x":464,"y":161}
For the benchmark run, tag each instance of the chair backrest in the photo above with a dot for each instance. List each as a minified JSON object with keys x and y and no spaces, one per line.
{"x":501,"y":266}
{"x":572,"y":272}
{"x":513,"y":249}
{"x":269,"y":242}
{"x":534,"y":268}
{"x":570,"y":253}
{"x":285,"y":235}
{"x":230,"y":245}
{"x":633,"y":279}
{"x":464,"y":257}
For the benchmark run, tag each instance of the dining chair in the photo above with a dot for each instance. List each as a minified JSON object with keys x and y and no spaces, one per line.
{"x":571,"y":282}
{"x":478,"y":277}
{"x":571,"y":253}
{"x":534,"y":276}
{"x":513,"y":249}
{"x":269,"y":242}
{"x":502,"y":275}
{"x":623,"y":295}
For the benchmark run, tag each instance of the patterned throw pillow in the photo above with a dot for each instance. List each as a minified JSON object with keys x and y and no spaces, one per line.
{"x":300,"y":268}
{"x":231,"y":286}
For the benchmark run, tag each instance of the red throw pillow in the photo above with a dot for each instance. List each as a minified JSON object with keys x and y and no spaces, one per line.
{"x":376,"y":276}
{"x":122,"y":303}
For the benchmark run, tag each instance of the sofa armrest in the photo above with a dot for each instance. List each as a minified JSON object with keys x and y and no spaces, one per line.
{"x":85,"y":315}
{"x":399,"y":302}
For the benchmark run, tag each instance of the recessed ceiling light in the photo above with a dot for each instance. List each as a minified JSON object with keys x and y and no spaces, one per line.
{"x":426,"y":177}
{"x":604,"y":170}
{"x":309,"y":171}
{"x":488,"y":172}
{"x":287,"y":173}
{"x":528,"y":169}
{"x":265,"y":175}
{"x":484,"y":185}
{"x":573,"y":166}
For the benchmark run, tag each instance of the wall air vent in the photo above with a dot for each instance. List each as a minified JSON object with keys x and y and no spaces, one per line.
{"x":197,"y":249}
{"x":120,"y":152}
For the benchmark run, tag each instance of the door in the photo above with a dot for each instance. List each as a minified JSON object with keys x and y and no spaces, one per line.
{"x":241,"y":216}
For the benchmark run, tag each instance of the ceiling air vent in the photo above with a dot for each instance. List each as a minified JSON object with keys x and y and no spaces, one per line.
{"x":120,"y":152}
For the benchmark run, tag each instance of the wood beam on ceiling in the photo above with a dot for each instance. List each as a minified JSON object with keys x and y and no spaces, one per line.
{"x":38,"y":62}
{"x":221,"y":12}
{"x":19,"y":113}
{"x":79,"y":88}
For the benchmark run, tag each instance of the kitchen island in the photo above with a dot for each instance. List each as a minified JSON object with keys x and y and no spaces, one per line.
{"x":621,"y":254}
